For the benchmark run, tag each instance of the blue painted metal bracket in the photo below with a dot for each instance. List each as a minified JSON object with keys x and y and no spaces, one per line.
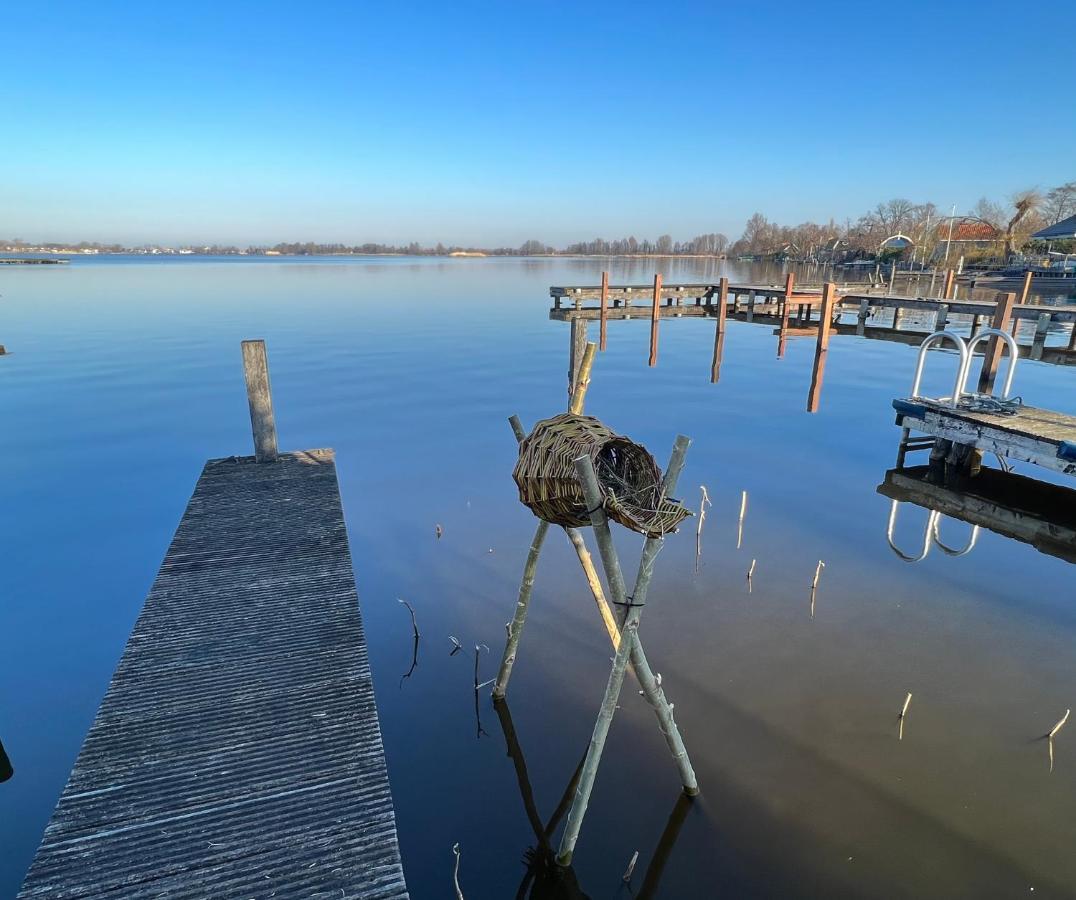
{"x":1067,"y":451}
{"x":908,"y":408}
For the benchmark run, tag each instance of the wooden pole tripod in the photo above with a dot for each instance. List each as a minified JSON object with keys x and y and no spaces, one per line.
{"x":623,"y":630}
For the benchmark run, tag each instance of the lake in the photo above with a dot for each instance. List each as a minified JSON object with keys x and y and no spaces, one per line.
{"x":124,"y":376}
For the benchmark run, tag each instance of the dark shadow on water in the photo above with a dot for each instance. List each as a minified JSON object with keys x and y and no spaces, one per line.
{"x":6,"y":769}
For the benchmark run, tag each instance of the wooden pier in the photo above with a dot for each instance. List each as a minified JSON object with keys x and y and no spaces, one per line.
{"x":858,"y":309}
{"x":237,"y":752}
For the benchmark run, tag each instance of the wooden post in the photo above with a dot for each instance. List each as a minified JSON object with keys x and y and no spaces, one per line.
{"x":576,"y":350}
{"x":655,"y":315}
{"x":829,"y":296}
{"x":260,"y":400}
{"x":1039,"y":341}
{"x":1026,"y":289}
{"x":751,"y":306}
{"x":1002,"y":315}
{"x":950,"y":281}
{"x":604,"y":310}
{"x":1072,"y":338}
{"x":941,"y":317}
{"x":719,"y":333}
{"x":582,"y":381}
{"x":515,"y":629}
{"x":628,"y":642}
{"x":861,"y":319}
{"x":790,"y":281}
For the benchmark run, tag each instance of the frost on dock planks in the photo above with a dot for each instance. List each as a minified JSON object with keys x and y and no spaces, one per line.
{"x":237,"y":752}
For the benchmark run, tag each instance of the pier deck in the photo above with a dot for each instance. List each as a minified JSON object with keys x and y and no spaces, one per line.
{"x":1040,"y":436}
{"x":237,"y":752}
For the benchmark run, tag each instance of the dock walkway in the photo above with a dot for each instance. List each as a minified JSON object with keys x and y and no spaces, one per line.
{"x":237,"y":752}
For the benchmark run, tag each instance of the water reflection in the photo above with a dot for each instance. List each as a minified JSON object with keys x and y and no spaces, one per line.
{"x":1024,"y":509}
{"x":544,"y":879}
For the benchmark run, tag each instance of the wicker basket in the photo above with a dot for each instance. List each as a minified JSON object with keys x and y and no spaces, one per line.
{"x":629,"y":478}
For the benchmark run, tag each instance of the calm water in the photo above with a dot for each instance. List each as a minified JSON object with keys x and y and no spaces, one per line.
{"x":124,"y":376}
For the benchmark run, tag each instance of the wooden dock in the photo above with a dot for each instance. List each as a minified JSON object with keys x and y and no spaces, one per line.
{"x":237,"y":752}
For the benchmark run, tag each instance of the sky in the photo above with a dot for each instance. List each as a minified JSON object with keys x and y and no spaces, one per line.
{"x":493,"y":123}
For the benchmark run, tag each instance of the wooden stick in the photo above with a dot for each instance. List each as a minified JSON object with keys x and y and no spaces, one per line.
{"x":517,"y":428}
{"x":582,"y":380}
{"x":576,"y":350}
{"x":576,"y":537}
{"x":743,"y":510}
{"x":818,"y":371}
{"x":631,"y":867}
{"x":790,"y":280}
{"x":1060,"y":724}
{"x":515,"y":631}
{"x":604,"y":309}
{"x":903,"y":713}
{"x":260,"y":401}
{"x":703,"y":503}
{"x":655,"y":315}
{"x":410,"y":609}
{"x":628,"y":644}
{"x":817,"y":572}
{"x":1026,"y":289}
{"x":456,"y":871}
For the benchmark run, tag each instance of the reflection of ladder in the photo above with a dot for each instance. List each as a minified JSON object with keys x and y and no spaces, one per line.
{"x":931,"y":536}
{"x":961,"y":396}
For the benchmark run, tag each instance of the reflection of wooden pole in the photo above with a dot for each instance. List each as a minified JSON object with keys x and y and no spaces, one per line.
{"x":576,"y":350}
{"x":604,"y":310}
{"x":829,"y":292}
{"x":1002,"y":315}
{"x":790,"y":280}
{"x":719,"y":334}
{"x":655,"y":315}
{"x":654,"y":871}
{"x":515,"y":629}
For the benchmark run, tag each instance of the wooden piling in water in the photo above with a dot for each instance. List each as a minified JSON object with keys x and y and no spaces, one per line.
{"x":719,"y":333}
{"x":576,"y":350}
{"x":950,"y":283}
{"x":655,"y":315}
{"x":1038,"y":342}
{"x":790,"y":281}
{"x":1002,"y":315}
{"x":1026,"y":289}
{"x":604,"y":315}
{"x":260,"y":400}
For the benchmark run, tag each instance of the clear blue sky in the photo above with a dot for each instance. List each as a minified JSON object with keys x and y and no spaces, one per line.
{"x":494,"y":123}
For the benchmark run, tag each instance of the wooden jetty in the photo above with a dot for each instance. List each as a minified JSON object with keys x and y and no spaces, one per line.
{"x":30,"y":261}
{"x":237,"y":752}
{"x":859,"y":309}
{"x":1024,"y":509}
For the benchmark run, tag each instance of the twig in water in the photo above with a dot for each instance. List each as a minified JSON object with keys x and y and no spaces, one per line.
{"x":634,"y":860}
{"x":456,"y":871}
{"x":817,"y":572}
{"x":410,"y":609}
{"x":1061,"y":722}
{"x":903,"y":713}
{"x":743,"y":512}
{"x":703,"y":503}
{"x":751,"y":574}
{"x":456,"y":645}
{"x":439,"y":531}
{"x":477,"y":687}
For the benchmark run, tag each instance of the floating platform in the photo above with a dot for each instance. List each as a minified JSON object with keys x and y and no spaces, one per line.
{"x":1015,"y":506}
{"x":1038,"y":436}
{"x":237,"y":752}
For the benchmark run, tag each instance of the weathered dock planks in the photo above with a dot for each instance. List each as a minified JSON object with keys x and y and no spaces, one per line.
{"x":237,"y":752}
{"x":1040,"y":436}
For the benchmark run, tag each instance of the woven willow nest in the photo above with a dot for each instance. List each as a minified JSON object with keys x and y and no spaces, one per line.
{"x":629,"y":478}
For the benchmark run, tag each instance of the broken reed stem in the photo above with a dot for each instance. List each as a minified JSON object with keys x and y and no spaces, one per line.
{"x":410,"y":609}
{"x":1060,"y":724}
{"x":631,"y":867}
{"x":456,"y":872}
{"x":751,"y":570}
{"x":904,"y":709}
{"x":703,"y":503}
{"x":743,"y":512}
{"x":582,"y":382}
{"x":517,"y":428}
{"x":629,"y":647}
{"x":817,"y":572}
{"x":515,"y":630}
